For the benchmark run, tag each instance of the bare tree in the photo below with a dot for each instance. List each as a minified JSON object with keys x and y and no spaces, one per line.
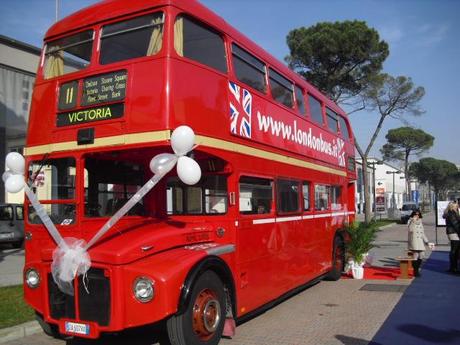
{"x":391,"y":97}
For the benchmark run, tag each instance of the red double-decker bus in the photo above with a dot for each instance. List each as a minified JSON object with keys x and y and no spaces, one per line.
{"x":266,"y":217}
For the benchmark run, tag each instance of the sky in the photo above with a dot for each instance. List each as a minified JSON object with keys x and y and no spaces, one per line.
{"x":423,"y":37}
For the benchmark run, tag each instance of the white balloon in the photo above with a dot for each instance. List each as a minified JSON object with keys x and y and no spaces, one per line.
{"x":15,"y":162}
{"x":182,"y":140}
{"x":14,"y":183}
{"x":5,"y":175}
{"x":163,"y":162}
{"x":188,"y":170}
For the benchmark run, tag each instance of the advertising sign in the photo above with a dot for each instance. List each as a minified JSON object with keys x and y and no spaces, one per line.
{"x":380,"y":204}
{"x":440,"y":207}
{"x":255,"y":119}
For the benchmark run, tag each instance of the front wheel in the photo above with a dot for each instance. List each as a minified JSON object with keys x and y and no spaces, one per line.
{"x":202,"y":322}
{"x":338,"y":260}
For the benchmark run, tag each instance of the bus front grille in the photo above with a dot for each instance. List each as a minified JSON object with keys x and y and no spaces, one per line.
{"x":93,"y":300}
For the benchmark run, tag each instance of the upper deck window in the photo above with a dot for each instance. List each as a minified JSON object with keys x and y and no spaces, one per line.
{"x":141,"y":36}
{"x":316,"y":112}
{"x":300,"y":100}
{"x":68,"y":54}
{"x":332,"y":121}
{"x":249,"y":69}
{"x":195,"y":41}
{"x":282,"y":89}
{"x":344,"y":128}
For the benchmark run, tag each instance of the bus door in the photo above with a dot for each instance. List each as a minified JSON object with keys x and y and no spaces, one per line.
{"x":256,"y":249}
{"x":285,"y":237}
{"x":322,"y":227}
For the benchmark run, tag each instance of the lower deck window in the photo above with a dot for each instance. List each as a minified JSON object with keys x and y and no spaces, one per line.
{"x":287,"y":196}
{"x":322,"y":197}
{"x":209,"y":196}
{"x":256,"y":195}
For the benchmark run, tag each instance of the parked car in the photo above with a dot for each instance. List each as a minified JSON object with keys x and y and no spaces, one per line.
{"x":406,"y":210}
{"x":12,"y":224}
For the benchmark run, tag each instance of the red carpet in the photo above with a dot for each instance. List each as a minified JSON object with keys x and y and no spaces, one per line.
{"x":384,"y":273}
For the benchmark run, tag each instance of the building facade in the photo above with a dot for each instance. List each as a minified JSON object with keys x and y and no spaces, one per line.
{"x":386,"y":186}
{"x":18,"y":65}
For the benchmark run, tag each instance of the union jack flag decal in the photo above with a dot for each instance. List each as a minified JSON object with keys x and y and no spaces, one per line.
{"x":240,"y":110}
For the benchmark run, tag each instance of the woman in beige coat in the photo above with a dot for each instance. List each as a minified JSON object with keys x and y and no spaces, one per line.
{"x":417,"y":240}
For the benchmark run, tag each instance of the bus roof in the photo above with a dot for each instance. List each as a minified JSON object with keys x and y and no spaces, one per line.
{"x":110,"y":9}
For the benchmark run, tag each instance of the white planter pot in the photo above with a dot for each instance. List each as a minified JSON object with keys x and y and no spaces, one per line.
{"x":357,"y":272}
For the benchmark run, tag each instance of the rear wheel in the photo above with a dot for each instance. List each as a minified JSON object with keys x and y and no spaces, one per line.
{"x":338,"y":260}
{"x":202,"y":322}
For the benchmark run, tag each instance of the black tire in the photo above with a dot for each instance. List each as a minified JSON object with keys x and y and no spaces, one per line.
{"x":189,"y":328}
{"x":18,"y":245}
{"x":338,"y":260}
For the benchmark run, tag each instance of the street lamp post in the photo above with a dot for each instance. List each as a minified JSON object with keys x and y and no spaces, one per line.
{"x":372,"y":165}
{"x":393,"y":200}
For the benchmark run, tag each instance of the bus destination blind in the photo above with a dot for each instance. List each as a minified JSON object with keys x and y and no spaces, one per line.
{"x":104,"y":88}
{"x":76,"y":117}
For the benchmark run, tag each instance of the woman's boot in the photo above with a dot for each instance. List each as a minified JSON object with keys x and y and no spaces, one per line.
{"x":416,"y":265}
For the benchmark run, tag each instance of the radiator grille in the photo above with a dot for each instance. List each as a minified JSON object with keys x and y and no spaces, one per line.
{"x":93,"y":306}
{"x":61,"y":304}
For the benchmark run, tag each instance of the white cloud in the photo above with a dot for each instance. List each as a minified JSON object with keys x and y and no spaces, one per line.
{"x":391,"y":34}
{"x":429,"y":35}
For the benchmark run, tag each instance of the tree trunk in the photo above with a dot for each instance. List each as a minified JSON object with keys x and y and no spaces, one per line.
{"x":367,"y":195}
{"x":406,"y":176}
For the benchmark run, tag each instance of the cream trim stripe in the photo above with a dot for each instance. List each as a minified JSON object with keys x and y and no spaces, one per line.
{"x":288,"y":219}
{"x":292,"y":219}
{"x":251,"y":151}
{"x":126,"y":139}
{"x":146,"y":137}
{"x":263,"y":221}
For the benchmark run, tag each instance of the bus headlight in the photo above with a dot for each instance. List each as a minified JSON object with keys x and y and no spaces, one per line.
{"x":144,"y":289}
{"x":32,"y":278}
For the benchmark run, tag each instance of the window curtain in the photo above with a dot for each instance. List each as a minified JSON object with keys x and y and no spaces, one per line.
{"x":156,"y":39}
{"x":54,"y":64}
{"x":179,"y":36}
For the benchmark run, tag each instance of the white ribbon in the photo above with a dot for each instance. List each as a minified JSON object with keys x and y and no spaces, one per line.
{"x":71,"y":257}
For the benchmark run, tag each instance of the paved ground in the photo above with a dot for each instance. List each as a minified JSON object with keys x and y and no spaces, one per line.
{"x":11,"y":264}
{"x":328,"y":313}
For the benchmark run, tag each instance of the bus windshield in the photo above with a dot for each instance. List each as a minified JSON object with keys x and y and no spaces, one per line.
{"x":54,"y":182}
{"x":109,"y":182}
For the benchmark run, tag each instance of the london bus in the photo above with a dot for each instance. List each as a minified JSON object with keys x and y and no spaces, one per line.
{"x":267,"y":216}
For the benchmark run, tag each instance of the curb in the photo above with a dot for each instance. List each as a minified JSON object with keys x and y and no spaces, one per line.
{"x":387,"y":226}
{"x":19,"y":331}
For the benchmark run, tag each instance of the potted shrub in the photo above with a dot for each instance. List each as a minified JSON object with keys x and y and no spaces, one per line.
{"x":360,"y":242}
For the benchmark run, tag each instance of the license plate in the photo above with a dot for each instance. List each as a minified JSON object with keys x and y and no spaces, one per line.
{"x":76,"y":328}
{"x":7,"y":235}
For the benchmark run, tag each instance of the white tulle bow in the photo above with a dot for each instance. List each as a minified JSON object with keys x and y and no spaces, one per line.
{"x":71,"y":258}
